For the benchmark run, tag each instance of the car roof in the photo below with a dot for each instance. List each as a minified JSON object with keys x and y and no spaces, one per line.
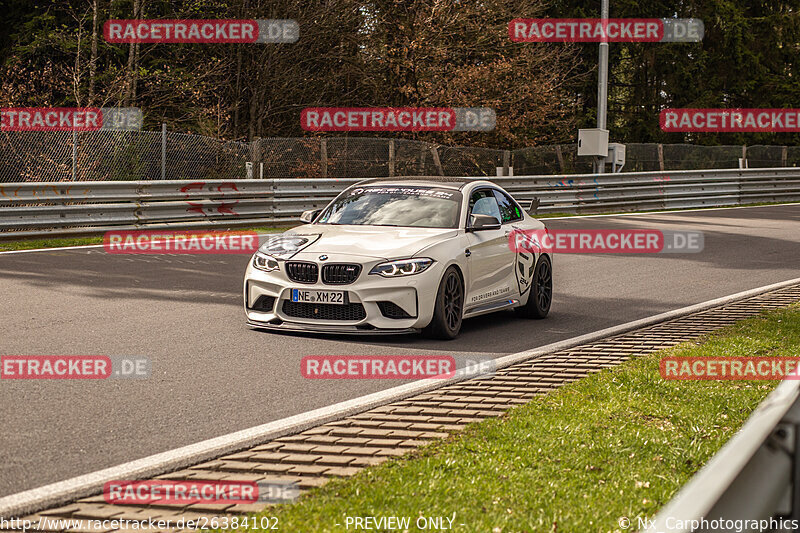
{"x":436,"y":181}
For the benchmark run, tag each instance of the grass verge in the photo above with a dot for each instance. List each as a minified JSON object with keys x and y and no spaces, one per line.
{"x":34,"y":244}
{"x":617,"y":444}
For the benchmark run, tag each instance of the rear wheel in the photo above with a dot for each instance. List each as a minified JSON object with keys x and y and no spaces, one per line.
{"x":541,"y":291}
{"x":447,"y":314}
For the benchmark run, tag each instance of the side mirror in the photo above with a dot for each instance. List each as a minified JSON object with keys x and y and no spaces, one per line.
{"x":482,"y":222}
{"x":534,"y":206}
{"x":309,"y":216}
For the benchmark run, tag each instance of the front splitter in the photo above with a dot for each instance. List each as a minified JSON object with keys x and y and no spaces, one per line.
{"x":329,"y":330}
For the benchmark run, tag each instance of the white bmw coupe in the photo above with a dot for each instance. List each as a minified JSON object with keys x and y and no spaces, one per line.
{"x":388,"y":256}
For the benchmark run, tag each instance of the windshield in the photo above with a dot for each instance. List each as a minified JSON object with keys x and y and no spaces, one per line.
{"x":419,"y":207}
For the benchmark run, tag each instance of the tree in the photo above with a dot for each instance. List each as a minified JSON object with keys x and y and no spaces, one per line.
{"x":748,"y":58}
{"x":350,"y":53}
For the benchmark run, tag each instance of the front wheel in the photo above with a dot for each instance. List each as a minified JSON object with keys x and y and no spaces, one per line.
{"x":541,"y":294}
{"x":447,"y":314}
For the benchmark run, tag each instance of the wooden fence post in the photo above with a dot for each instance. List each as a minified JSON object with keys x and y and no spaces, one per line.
{"x":323,"y":154}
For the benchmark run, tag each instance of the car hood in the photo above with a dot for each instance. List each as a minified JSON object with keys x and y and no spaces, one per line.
{"x":382,"y":242}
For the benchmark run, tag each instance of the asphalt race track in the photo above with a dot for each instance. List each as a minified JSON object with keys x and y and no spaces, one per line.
{"x":213,"y":375}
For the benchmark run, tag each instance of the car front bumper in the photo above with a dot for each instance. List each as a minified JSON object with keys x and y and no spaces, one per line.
{"x":266,"y":295}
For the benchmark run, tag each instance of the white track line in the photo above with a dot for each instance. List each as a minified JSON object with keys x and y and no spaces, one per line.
{"x":62,"y":492}
{"x":78,"y":247}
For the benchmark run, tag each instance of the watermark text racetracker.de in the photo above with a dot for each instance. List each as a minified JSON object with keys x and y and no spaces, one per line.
{"x":201,"y":31}
{"x":70,"y":118}
{"x":605,"y":241}
{"x":398,"y":119}
{"x":729,"y":368}
{"x":730,"y":120}
{"x":196,"y":491}
{"x":606,"y":30}
{"x":394,"y":367}
{"x":180,"y":242}
{"x":73,"y":367}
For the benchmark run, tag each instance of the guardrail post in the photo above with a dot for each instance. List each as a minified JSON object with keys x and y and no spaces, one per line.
{"x":323,"y":154}
{"x":784,"y":154}
{"x":163,"y":150}
{"x":740,"y":196}
{"x":391,"y":158}
{"x":74,"y":155}
{"x":661,"y":157}
{"x":506,"y":162}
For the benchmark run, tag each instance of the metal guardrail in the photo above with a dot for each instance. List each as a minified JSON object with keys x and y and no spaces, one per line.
{"x":39,"y":209}
{"x":752,"y":483}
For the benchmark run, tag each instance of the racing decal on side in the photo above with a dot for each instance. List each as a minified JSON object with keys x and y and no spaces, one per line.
{"x":524,"y":264}
{"x":490,"y":294}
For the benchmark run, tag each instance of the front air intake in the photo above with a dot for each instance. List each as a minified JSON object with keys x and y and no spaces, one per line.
{"x":392,"y":310}
{"x":352,"y":311}
{"x":302,"y":272}
{"x":340,"y":273}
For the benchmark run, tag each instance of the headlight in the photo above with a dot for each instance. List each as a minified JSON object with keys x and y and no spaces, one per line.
{"x":402,"y":267}
{"x":265,"y":262}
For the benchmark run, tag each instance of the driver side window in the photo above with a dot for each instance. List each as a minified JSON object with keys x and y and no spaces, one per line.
{"x":483,"y":202}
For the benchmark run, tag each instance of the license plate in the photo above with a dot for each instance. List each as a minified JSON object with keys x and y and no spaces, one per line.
{"x":319,"y":297}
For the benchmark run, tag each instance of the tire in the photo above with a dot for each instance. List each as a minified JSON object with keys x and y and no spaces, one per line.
{"x":541,"y":291}
{"x":449,"y":309}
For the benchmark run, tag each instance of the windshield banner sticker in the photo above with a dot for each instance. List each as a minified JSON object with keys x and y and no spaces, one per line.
{"x":409,"y":191}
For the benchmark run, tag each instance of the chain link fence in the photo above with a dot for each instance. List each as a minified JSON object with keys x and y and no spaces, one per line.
{"x":135,"y":155}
